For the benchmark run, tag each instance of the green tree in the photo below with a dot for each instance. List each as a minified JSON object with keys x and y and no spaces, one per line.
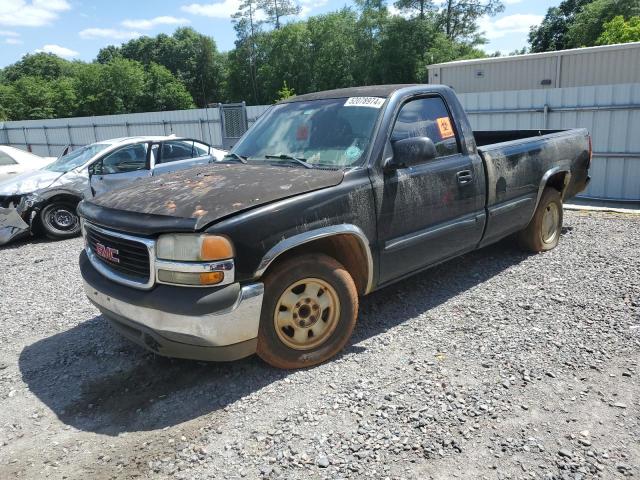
{"x":109,"y":53}
{"x":421,"y":7}
{"x":162,"y":91}
{"x":285,"y":92}
{"x":113,"y":88}
{"x":287,"y":57}
{"x":275,"y":10}
{"x":7,"y":102}
{"x":551,"y":34}
{"x":332,"y":47}
{"x":34,"y":98}
{"x":245,"y":56}
{"x":588,"y":23}
{"x":192,"y":57}
{"x":43,"y":65}
{"x":620,"y":31}
{"x":459,"y":18}
{"x":372,"y":20}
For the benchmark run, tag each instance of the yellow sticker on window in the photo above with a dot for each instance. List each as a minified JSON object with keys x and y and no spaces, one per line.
{"x":444,"y":125}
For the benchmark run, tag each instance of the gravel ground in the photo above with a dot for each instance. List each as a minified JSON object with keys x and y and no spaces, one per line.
{"x":494,"y":365}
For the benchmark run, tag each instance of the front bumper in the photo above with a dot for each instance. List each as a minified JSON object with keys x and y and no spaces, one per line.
{"x":12,"y":225}
{"x":219,"y":324}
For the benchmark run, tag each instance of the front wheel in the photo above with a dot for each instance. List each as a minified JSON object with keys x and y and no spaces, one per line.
{"x":60,"y":220}
{"x":543,"y":231}
{"x":309,"y":312}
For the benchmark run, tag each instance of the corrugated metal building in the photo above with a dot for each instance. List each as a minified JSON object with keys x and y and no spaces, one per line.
{"x":605,"y":65}
{"x":596,"y":88}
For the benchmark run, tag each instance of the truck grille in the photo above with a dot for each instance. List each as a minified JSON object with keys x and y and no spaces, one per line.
{"x":122,"y":255}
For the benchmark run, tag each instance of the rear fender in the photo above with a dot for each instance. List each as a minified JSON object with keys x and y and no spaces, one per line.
{"x":551,"y":176}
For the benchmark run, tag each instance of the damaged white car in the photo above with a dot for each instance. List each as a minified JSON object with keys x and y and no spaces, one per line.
{"x":45,"y":200}
{"x":14,"y":161}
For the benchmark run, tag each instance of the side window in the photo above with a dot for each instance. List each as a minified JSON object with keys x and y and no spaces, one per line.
{"x":176,"y":150}
{"x":126,"y":159}
{"x":200,"y":149}
{"x":6,"y":160}
{"x":427,"y":117}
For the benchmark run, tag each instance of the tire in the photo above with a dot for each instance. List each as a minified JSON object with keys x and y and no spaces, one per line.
{"x":308,"y":293}
{"x":60,"y":220}
{"x":543,"y":231}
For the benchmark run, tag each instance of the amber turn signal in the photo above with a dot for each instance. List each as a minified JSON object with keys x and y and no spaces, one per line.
{"x":211,"y":278}
{"x":215,"y":248}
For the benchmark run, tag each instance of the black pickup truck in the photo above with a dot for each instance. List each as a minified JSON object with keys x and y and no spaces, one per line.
{"x":328,"y":197}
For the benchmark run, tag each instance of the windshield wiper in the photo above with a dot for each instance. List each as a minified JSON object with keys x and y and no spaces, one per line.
{"x":235,"y":156}
{"x":282,"y":156}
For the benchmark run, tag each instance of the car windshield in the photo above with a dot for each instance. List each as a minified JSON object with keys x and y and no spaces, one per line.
{"x":333,"y":133}
{"x":76,"y":158}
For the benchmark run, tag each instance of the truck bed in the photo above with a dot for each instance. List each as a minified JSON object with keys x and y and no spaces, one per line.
{"x":515,"y":161}
{"x":487,"y":137}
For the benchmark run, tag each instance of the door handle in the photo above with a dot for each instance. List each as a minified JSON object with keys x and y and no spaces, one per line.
{"x":464,"y":177}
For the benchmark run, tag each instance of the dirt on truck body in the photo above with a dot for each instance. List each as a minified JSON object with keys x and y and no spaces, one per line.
{"x":328,"y":197}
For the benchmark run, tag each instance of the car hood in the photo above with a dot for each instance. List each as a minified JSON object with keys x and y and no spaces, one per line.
{"x":209,"y":193}
{"x":28,"y":182}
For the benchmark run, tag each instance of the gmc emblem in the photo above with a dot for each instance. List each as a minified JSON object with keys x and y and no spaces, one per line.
{"x":108,"y":253}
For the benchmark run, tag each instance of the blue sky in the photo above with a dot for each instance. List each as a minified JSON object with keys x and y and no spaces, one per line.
{"x":77,"y":29}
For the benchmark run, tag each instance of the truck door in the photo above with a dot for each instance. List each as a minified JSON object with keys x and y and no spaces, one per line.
{"x":177,"y":155}
{"x":432,"y":210}
{"x":119,"y":167}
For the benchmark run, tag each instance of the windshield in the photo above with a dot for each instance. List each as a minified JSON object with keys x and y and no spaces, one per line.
{"x":76,"y":158}
{"x":327,"y":133}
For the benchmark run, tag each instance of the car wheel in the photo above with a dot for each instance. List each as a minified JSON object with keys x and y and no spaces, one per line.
{"x":309,"y":311}
{"x":544,"y":229}
{"x":60,"y":220}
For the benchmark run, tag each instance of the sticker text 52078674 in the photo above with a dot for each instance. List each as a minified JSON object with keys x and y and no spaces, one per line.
{"x":373,"y":102}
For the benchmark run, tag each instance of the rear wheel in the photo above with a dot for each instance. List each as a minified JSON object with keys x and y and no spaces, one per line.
{"x":543,"y":231}
{"x":60,"y":220}
{"x":309,"y":311}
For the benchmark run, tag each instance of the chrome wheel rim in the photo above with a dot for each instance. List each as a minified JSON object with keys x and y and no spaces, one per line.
{"x":550,"y":223}
{"x":306,"y":314}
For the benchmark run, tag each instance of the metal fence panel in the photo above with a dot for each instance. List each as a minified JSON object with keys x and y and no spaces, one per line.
{"x":611,"y":113}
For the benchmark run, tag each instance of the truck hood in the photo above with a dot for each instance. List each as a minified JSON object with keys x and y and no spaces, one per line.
{"x":28,"y":182}
{"x":209,"y":193}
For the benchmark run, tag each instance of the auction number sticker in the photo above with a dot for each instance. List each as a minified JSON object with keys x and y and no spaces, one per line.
{"x":444,"y":125}
{"x":373,"y":102}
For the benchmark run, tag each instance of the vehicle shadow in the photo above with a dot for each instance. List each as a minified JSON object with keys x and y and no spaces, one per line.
{"x":28,"y":239}
{"x":94,"y":380}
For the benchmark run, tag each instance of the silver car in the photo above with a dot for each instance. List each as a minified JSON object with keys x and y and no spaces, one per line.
{"x":45,"y":200}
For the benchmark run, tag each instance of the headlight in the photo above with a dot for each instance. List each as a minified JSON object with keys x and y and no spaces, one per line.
{"x":193,"y":248}
{"x":194,"y":259}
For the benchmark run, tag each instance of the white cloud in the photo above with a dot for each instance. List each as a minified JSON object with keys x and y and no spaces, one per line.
{"x":13,"y":41}
{"x":111,"y":33}
{"x":306,"y":6}
{"x":517,"y":23}
{"x":223,"y":9}
{"x":145,"y":24}
{"x":35,"y":13}
{"x":7,"y":33}
{"x":511,"y":2}
{"x":58,"y":50}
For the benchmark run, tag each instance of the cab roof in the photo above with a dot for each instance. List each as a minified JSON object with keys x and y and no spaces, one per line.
{"x":369,"y":91}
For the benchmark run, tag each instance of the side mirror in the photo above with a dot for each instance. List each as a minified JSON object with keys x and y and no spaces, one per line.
{"x":95,"y":169}
{"x":411,"y":151}
{"x":66,"y":150}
